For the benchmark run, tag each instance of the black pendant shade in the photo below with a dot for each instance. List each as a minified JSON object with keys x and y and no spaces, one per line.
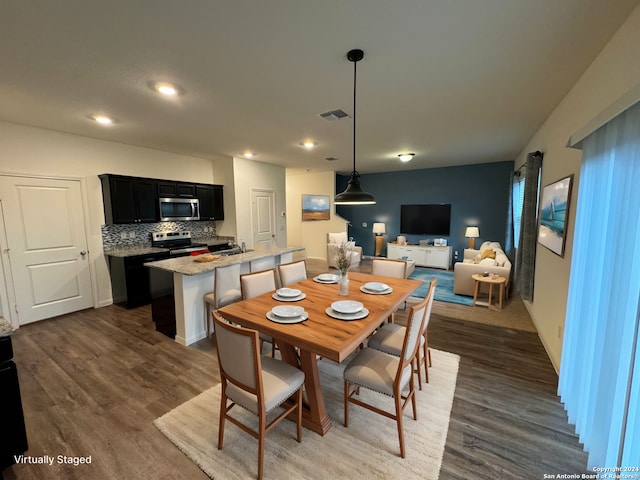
{"x":354,"y":195}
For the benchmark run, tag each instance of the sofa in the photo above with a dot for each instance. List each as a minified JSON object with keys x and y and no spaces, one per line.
{"x":334,"y":240}
{"x":488,"y":258}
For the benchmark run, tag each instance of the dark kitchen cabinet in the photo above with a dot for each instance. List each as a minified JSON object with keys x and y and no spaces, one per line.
{"x":211,"y":202}
{"x":129,"y":199}
{"x":135,"y":276}
{"x":176,"y":189}
{"x":13,"y":435}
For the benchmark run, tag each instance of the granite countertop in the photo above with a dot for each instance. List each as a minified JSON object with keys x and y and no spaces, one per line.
{"x":6,"y":328}
{"x":132,"y":251}
{"x":135,"y":250}
{"x":187,"y":265}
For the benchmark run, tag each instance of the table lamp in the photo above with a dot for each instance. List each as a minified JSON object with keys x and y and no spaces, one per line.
{"x":472,"y":233}
{"x":379,"y":230}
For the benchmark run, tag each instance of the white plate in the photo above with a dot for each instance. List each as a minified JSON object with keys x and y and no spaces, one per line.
{"x":347,"y":306}
{"x":373,"y":292}
{"x":275,"y":296}
{"x":347,"y":316}
{"x":328,"y":277}
{"x":276,"y":319}
{"x":287,"y":311}
{"x":376,"y":286}
{"x":288,"y":292}
{"x":317,"y":279}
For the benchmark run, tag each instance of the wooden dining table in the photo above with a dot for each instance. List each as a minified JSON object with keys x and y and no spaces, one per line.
{"x":321,"y":335}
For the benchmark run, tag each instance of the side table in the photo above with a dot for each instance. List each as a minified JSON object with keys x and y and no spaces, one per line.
{"x":491,"y":280}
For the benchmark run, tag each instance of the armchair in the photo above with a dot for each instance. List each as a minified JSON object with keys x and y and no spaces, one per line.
{"x":333,"y":242}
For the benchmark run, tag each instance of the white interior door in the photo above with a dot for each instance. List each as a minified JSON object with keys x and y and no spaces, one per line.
{"x":47,"y":246}
{"x":263,"y":213}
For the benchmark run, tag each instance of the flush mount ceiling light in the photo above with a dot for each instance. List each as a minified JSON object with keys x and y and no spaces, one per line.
{"x":308,"y":144}
{"x":167,"y":89}
{"x":406,"y":157}
{"x":354,"y":195}
{"x":102,"y":119}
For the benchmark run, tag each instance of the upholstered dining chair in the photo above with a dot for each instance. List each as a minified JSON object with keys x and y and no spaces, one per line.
{"x":389,"y":338}
{"x":388,"y":267}
{"x":226,"y":290}
{"x":258,"y":384}
{"x":255,"y":284}
{"x":387,"y":374}
{"x":292,"y":272}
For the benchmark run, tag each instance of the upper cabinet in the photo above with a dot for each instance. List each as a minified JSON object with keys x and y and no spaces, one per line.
{"x":129,"y":199}
{"x":135,"y":200}
{"x":211,"y":202}
{"x":176,"y":189}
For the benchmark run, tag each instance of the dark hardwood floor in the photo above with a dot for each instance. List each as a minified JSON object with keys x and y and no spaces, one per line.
{"x":92,"y":382}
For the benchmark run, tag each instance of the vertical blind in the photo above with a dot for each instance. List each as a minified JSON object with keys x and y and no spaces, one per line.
{"x":518,"y":201}
{"x":600,"y":369}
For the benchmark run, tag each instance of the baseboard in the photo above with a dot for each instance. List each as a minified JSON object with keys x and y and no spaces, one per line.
{"x":527,"y":305}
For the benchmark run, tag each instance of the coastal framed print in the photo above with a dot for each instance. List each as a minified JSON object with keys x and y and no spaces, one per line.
{"x":315,"y":207}
{"x":554,"y":215}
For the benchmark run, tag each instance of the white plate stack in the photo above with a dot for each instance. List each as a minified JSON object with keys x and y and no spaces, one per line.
{"x":327,"y":278}
{"x":288,"y":295}
{"x":376,"y":288}
{"x":347,"y":310}
{"x":287,"y":314}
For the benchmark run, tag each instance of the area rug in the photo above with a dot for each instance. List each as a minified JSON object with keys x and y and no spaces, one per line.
{"x":444,"y":287}
{"x":368,"y":449}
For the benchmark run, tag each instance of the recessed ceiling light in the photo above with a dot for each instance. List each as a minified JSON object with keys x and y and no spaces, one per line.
{"x":102,"y":119}
{"x":308,"y":144}
{"x":248,"y":154}
{"x":167,"y":89}
{"x":405,"y":157}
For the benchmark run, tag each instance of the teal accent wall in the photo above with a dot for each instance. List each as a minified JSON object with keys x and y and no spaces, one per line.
{"x":478,"y":194}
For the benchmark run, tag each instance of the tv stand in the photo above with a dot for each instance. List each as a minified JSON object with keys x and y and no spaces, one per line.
{"x":433,"y":257}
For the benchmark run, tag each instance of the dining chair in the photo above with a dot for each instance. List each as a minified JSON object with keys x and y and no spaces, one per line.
{"x":425,"y":356}
{"x":388,"y":267}
{"x":387,"y":374}
{"x":257,"y":384}
{"x":292,"y":272}
{"x":256,"y":284}
{"x":226,"y":290}
{"x":390,"y":337}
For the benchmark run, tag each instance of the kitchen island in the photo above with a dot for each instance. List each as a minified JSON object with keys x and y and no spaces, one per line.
{"x":193,"y":280}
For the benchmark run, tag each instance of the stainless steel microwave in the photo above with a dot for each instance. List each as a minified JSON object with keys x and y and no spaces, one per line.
{"x":179,"y":209}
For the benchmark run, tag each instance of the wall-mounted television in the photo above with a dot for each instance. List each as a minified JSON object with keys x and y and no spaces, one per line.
{"x":434,"y":219}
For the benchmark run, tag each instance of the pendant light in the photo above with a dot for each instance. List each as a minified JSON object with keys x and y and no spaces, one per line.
{"x":354,"y":195}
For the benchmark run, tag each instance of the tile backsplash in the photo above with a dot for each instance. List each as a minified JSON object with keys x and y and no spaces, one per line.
{"x":132,"y":234}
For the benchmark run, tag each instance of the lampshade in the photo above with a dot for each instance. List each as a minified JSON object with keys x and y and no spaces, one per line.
{"x":378,"y":228}
{"x":354,"y":195}
{"x":472,"y":232}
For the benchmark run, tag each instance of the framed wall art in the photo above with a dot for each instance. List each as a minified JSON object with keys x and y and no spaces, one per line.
{"x":315,"y":207}
{"x":554,"y":215}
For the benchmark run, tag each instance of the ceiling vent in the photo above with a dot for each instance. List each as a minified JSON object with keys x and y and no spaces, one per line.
{"x":332,"y":115}
{"x":330,"y":159}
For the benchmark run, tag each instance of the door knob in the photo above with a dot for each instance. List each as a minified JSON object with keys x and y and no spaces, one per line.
{"x":83,"y":253}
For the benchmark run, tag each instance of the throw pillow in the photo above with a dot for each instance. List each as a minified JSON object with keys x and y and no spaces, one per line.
{"x":501,"y":258}
{"x":488,"y":262}
{"x":488,"y":253}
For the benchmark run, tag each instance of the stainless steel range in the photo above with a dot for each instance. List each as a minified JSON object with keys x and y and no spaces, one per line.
{"x":178,"y":243}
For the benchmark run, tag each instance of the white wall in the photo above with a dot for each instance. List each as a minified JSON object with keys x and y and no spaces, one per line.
{"x":38,"y":152}
{"x":223,"y":175}
{"x":247,"y":175}
{"x":612,"y":74}
{"x":311,"y":235}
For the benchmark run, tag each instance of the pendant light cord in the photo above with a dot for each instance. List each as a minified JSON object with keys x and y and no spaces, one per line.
{"x":355,"y":64}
